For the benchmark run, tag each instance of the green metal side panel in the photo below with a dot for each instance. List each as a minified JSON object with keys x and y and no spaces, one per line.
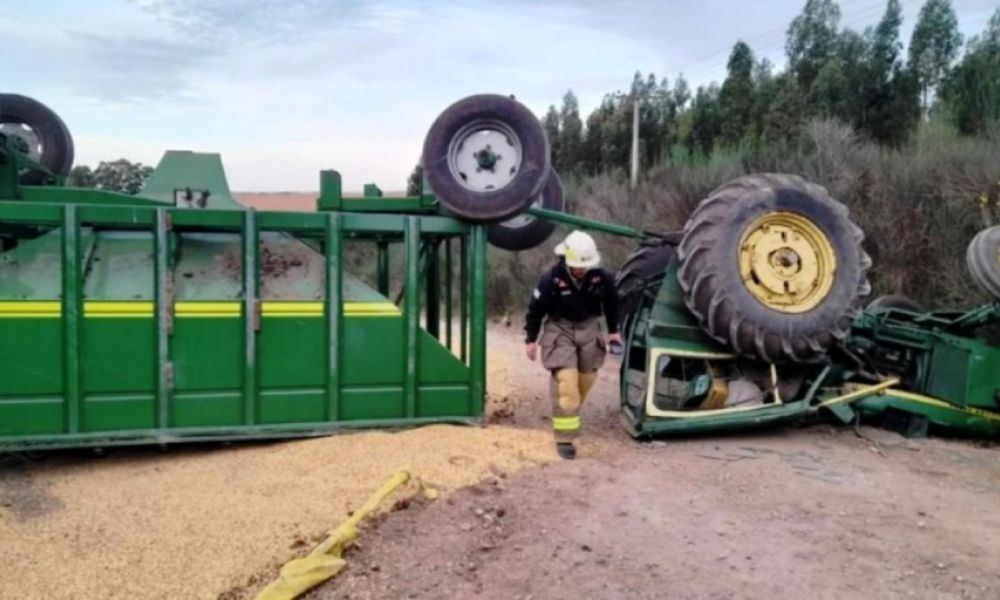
{"x":967,"y":420}
{"x":949,"y":373}
{"x":983,"y":385}
{"x":118,"y":373}
{"x":291,"y":370}
{"x":671,"y":325}
{"x":207,"y":363}
{"x":31,"y":398}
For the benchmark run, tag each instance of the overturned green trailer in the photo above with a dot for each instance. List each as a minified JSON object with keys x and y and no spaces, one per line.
{"x":179,"y":314}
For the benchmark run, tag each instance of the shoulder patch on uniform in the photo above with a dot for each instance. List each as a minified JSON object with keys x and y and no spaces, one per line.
{"x":595,"y":279}
{"x":536,"y":294}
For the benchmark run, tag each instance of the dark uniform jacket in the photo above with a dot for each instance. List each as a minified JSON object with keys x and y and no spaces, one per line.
{"x":560,"y":296}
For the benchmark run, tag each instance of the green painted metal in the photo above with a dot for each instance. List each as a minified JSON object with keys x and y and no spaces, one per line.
{"x":433,"y":289}
{"x":382,"y":268}
{"x":334,"y":314}
{"x":585,"y":223}
{"x":181,"y":171}
{"x":152,"y":322}
{"x":463,"y":296}
{"x":72,"y":312}
{"x":448,"y":296}
{"x":411,"y":299}
{"x":946,"y":375}
{"x":251,"y":317}
{"x":164,"y":318}
{"x":477,"y":329}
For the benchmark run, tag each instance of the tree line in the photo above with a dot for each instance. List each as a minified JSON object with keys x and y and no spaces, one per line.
{"x":862,"y":79}
{"x":120,"y":175}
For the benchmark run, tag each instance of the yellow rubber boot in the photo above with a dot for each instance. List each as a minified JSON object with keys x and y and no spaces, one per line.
{"x":587,"y":381}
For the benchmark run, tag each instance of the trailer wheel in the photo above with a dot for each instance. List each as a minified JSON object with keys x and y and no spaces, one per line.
{"x":890,"y":301}
{"x":486,"y":158}
{"x":773,"y":267}
{"x":983,"y":260}
{"x":45,"y":135}
{"x":524,"y":232}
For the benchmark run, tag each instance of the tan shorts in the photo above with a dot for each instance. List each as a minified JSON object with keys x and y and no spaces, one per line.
{"x":569,"y":345}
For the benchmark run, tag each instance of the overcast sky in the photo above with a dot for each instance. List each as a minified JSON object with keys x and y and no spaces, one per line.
{"x":285,"y":88}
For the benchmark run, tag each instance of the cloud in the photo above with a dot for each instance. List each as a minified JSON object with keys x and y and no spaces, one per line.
{"x":126,"y":68}
{"x":263,"y":20}
{"x":284,"y":88}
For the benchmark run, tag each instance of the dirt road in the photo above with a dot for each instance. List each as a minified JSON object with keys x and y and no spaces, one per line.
{"x":815,"y":512}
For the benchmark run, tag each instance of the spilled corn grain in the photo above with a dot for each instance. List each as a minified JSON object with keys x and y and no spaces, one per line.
{"x":195,"y":523}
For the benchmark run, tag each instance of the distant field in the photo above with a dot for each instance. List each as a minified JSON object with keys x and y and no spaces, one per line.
{"x":297,"y":201}
{"x":294,"y":201}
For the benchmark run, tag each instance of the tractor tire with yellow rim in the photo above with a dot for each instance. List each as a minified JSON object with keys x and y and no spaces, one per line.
{"x":983,"y":260}
{"x":773,"y":267}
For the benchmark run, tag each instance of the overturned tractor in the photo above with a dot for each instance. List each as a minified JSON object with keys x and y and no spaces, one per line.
{"x":753,"y":315}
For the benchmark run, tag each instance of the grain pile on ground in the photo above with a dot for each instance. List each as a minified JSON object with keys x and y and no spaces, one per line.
{"x":196,"y":523}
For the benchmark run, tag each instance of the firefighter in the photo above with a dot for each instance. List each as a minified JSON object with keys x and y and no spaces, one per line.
{"x":570,"y":298}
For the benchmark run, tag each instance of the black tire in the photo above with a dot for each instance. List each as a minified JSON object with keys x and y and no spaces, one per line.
{"x":528,"y":180}
{"x":640,"y":270}
{"x":524,"y":232}
{"x":983,"y":260}
{"x":716,"y":294}
{"x":54,"y":137}
{"x":890,"y":301}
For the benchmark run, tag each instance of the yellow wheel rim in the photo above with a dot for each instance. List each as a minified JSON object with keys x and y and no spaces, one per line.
{"x":786,"y":262}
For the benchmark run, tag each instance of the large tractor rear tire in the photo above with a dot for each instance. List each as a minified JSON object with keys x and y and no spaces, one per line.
{"x":983,"y":260}
{"x":486,"y":158}
{"x":47,"y":138}
{"x":773,"y":267}
{"x":524,"y":232}
{"x":640,"y":270}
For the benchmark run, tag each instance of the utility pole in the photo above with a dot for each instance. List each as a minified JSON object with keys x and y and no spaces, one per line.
{"x":634,"y":180}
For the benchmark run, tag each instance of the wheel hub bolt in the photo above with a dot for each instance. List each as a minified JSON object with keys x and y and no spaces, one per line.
{"x":486,"y":158}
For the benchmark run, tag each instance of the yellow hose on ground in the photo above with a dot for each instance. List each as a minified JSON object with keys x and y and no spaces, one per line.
{"x":325,"y":560}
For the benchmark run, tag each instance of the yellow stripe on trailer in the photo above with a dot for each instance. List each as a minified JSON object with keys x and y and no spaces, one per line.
{"x":130,"y":309}
{"x":371,"y":309}
{"x":316,"y":309}
{"x":117,"y":310}
{"x":30,"y":309}
{"x":207,"y":310}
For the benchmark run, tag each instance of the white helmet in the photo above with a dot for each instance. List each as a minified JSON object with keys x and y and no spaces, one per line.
{"x":579,"y":250}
